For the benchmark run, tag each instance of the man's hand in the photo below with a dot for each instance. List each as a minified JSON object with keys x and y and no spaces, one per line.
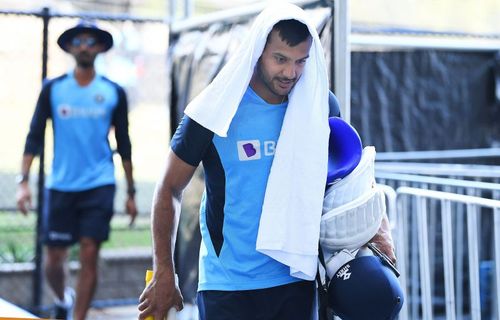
{"x":159,"y":296}
{"x":383,"y":240}
{"x":23,"y":197}
{"x":131,"y":209}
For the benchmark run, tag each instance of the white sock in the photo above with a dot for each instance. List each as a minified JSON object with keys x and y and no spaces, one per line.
{"x":60,"y":303}
{"x":68,"y":298}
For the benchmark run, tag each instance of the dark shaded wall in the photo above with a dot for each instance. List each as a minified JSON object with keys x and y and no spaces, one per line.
{"x":425,"y":100}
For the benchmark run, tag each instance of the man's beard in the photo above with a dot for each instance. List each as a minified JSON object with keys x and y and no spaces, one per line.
{"x":269,"y":81}
{"x":84,"y":60}
{"x":85,"y":64}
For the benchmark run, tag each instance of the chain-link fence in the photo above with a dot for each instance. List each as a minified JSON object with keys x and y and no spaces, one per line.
{"x":138,"y":63}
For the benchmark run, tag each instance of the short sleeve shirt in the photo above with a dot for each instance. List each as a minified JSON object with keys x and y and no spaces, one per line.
{"x":236,"y":171}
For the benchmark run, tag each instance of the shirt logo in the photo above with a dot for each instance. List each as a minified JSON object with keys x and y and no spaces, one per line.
{"x":344,"y":273}
{"x":249,"y":150}
{"x":99,"y":98}
{"x":66,"y":111}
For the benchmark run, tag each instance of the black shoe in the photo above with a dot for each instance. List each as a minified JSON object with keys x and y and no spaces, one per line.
{"x":65,"y":311}
{"x":59,"y":312}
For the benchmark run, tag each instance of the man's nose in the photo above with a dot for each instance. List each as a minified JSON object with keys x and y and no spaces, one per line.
{"x":290,"y":71}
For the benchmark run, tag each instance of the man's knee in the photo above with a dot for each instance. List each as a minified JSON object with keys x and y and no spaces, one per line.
{"x":56,"y":256}
{"x":89,"y":251}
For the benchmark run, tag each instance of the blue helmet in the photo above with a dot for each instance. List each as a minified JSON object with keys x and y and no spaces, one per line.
{"x":344,"y":149}
{"x":365,"y":288}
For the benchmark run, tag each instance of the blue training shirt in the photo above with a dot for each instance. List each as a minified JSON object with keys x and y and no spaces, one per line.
{"x":236,"y":172}
{"x":81,"y":119}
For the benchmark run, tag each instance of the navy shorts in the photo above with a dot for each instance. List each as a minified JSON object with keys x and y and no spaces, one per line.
{"x":292,"y":301}
{"x":69,"y":216}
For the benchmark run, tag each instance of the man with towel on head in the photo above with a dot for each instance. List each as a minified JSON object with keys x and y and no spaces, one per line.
{"x":261,"y":131}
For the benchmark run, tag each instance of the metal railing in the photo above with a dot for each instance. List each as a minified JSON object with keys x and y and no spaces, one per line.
{"x":441,"y":169}
{"x":391,"y":201}
{"x":454,"y":304}
{"x":440,"y":154}
{"x":446,"y":225}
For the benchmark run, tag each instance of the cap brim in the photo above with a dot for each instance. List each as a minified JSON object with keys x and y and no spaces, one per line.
{"x":103,"y":37}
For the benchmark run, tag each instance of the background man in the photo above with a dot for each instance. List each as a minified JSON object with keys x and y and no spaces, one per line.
{"x":79,"y":195}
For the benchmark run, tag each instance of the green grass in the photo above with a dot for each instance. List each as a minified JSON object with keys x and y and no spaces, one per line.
{"x":123,"y":236}
{"x":17,"y":236}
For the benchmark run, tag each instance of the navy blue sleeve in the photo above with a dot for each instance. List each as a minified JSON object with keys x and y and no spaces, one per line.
{"x":191,"y":141}
{"x":334,"y":105}
{"x":43,"y":111}
{"x":120,"y":122}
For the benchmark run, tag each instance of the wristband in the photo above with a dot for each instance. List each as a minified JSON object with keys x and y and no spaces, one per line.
{"x":131,"y":191}
{"x":20,"y":178}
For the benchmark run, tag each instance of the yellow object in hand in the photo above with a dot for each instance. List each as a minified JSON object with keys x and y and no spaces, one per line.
{"x":149,"y":277}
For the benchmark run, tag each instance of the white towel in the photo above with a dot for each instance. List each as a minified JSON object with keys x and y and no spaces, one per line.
{"x":291,"y":213}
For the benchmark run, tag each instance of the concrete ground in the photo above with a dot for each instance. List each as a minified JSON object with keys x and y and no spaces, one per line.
{"x":131,"y":313}
{"x":108,"y":313}
{"x":126,"y":312}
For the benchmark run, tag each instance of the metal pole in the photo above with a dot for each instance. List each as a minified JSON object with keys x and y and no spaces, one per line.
{"x":472,"y":240}
{"x":172,"y":4}
{"x":423,"y":251}
{"x":172,"y":37}
{"x":188,"y":9}
{"x":496,"y":219}
{"x":332,"y":47}
{"x":342,"y":57}
{"x":449,"y":291}
{"x":37,"y":273}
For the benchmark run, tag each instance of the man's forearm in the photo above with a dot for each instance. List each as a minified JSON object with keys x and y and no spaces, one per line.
{"x":129,"y":176}
{"x":166,"y":210}
{"x":383,"y":239}
{"x":165,"y":218}
{"x":23,"y":195}
{"x":26,"y":164}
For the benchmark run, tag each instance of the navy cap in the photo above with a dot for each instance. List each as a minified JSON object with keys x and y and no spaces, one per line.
{"x":365,"y":288}
{"x":103,"y":37}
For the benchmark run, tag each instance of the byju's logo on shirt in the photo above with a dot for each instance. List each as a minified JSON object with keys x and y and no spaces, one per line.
{"x":249,"y":150}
